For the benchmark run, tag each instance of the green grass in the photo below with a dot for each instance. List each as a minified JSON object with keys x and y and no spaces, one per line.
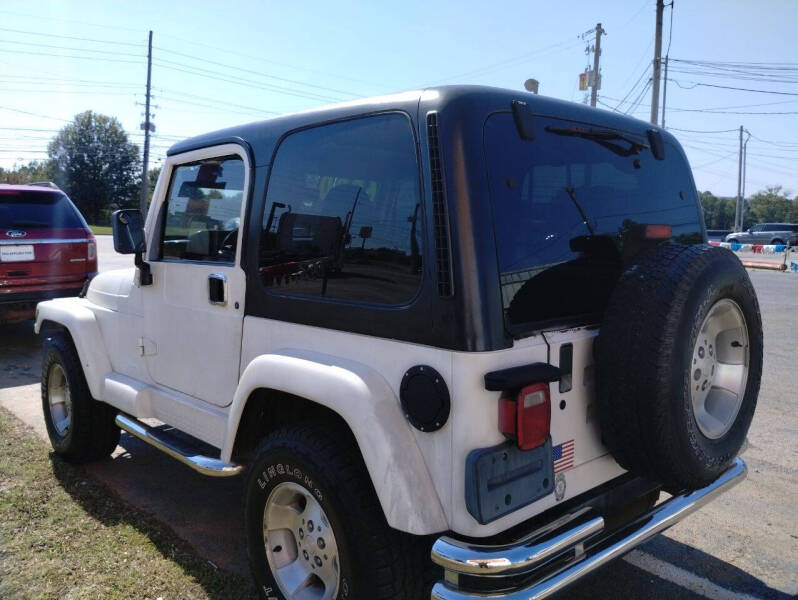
{"x":63,"y":535}
{"x":101,"y":229}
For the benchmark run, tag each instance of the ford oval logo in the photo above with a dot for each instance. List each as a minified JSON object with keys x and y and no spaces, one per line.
{"x":16,"y":233}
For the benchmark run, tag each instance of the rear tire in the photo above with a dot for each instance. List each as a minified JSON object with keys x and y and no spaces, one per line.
{"x":80,"y":428}
{"x":309,"y":469}
{"x":679,"y":361}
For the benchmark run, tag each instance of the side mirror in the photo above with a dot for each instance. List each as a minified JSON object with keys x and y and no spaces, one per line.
{"x":128,"y":231}
{"x":128,"y":228}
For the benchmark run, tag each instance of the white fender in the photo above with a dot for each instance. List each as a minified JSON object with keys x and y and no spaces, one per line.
{"x":363,"y":398}
{"x":82,"y":325}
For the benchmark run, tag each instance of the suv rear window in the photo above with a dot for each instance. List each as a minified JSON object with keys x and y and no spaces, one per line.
{"x":567,"y":209}
{"x":37,"y":210}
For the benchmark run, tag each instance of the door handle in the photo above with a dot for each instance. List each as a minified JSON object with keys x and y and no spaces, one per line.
{"x":217,"y":289}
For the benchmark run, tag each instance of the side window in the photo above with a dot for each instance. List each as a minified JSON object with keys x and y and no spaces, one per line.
{"x":757,"y":228}
{"x":342,"y":216}
{"x":202,"y":211}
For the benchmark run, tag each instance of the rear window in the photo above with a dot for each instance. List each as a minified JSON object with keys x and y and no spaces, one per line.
{"x":34,"y":210}
{"x":568,"y":210}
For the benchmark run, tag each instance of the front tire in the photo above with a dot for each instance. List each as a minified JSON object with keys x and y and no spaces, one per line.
{"x":80,"y":428}
{"x":315,"y":527}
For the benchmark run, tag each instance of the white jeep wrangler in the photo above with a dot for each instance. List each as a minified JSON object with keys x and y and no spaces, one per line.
{"x":457,"y":341}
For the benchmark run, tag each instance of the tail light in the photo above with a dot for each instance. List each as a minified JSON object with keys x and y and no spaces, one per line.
{"x":91,"y":249}
{"x":658,"y":232}
{"x":527,"y":417}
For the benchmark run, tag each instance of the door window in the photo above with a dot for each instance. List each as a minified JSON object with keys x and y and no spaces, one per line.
{"x":203,"y":209}
{"x":342,"y":216}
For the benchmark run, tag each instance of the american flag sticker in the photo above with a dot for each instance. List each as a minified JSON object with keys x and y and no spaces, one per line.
{"x":563,"y":455}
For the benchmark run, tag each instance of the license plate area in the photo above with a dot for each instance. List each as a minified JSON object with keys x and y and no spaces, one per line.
{"x":502,"y":479}
{"x":17,"y":253}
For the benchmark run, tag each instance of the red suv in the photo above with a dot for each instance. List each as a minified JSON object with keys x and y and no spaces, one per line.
{"x":46,"y":249}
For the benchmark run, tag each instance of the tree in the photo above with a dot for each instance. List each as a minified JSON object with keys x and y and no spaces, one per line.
{"x":152,"y":179}
{"x":96,"y":164}
{"x":718,"y":212}
{"x":35,"y":170}
{"x":771,"y":205}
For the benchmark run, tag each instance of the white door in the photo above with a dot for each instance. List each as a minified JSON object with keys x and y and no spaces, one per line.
{"x":193,"y":311}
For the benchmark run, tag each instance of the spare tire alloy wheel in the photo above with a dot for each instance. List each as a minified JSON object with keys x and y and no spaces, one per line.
{"x":678,"y":364}
{"x":720,"y":368}
{"x":300,"y":544}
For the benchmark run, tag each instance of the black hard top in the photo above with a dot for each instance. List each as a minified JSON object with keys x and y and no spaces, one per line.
{"x":262,"y":136}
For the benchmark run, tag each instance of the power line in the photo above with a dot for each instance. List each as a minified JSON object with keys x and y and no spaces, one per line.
{"x":723,"y":109}
{"x":114,"y":60}
{"x":70,"y":37}
{"x":780,"y":143}
{"x":559,"y":46}
{"x":726,"y":87}
{"x":216,"y":76}
{"x":211,"y":100}
{"x":41,"y":17}
{"x":258,"y":73}
{"x":635,"y":104}
{"x":717,"y":160}
{"x":25,"y":112}
{"x":632,"y":89}
{"x":635,"y":15}
{"x":272,"y":62}
{"x":69,"y":48}
{"x":703,"y":130}
{"x":761,"y":65}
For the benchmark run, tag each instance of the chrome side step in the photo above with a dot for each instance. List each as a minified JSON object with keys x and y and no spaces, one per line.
{"x":588,"y":550}
{"x":205,"y":465}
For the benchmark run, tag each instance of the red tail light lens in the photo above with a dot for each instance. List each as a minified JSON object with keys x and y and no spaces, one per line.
{"x":658,"y":232}
{"x":526,"y":418}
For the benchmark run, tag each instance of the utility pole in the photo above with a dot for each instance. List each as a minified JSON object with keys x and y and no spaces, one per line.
{"x":738,"y":215}
{"x":596,"y":76}
{"x":147,"y":127}
{"x":745,"y":160}
{"x":657,"y":60}
{"x":664,"y":91}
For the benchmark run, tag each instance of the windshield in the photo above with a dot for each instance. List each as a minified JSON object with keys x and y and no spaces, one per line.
{"x":567,"y":210}
{"x":32,"y":209}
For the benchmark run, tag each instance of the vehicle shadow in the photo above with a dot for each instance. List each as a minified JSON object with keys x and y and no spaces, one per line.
{"x":164,"y":500}
{"x":679,"y":571}
{"x":20,"y":355}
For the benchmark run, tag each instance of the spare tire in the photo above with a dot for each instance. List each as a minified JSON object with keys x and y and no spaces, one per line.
{"x":678,"y":364}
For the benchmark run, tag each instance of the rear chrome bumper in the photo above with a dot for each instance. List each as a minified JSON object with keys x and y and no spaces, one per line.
{"x":547,"y":561}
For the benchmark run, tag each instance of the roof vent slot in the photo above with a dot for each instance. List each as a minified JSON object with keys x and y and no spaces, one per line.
{"x":439,"y":212}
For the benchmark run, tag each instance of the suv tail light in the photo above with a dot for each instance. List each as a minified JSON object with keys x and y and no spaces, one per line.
{"x":527,"y":417}
{"x":91,"y":249}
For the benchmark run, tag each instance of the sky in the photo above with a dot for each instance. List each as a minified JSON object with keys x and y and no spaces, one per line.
{"x":217,"y":64}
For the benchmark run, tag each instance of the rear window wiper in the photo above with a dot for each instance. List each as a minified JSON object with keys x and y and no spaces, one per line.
{"x":603,"y":137}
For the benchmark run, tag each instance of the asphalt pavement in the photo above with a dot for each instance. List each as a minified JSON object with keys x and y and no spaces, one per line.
{"x":742,"y":546}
